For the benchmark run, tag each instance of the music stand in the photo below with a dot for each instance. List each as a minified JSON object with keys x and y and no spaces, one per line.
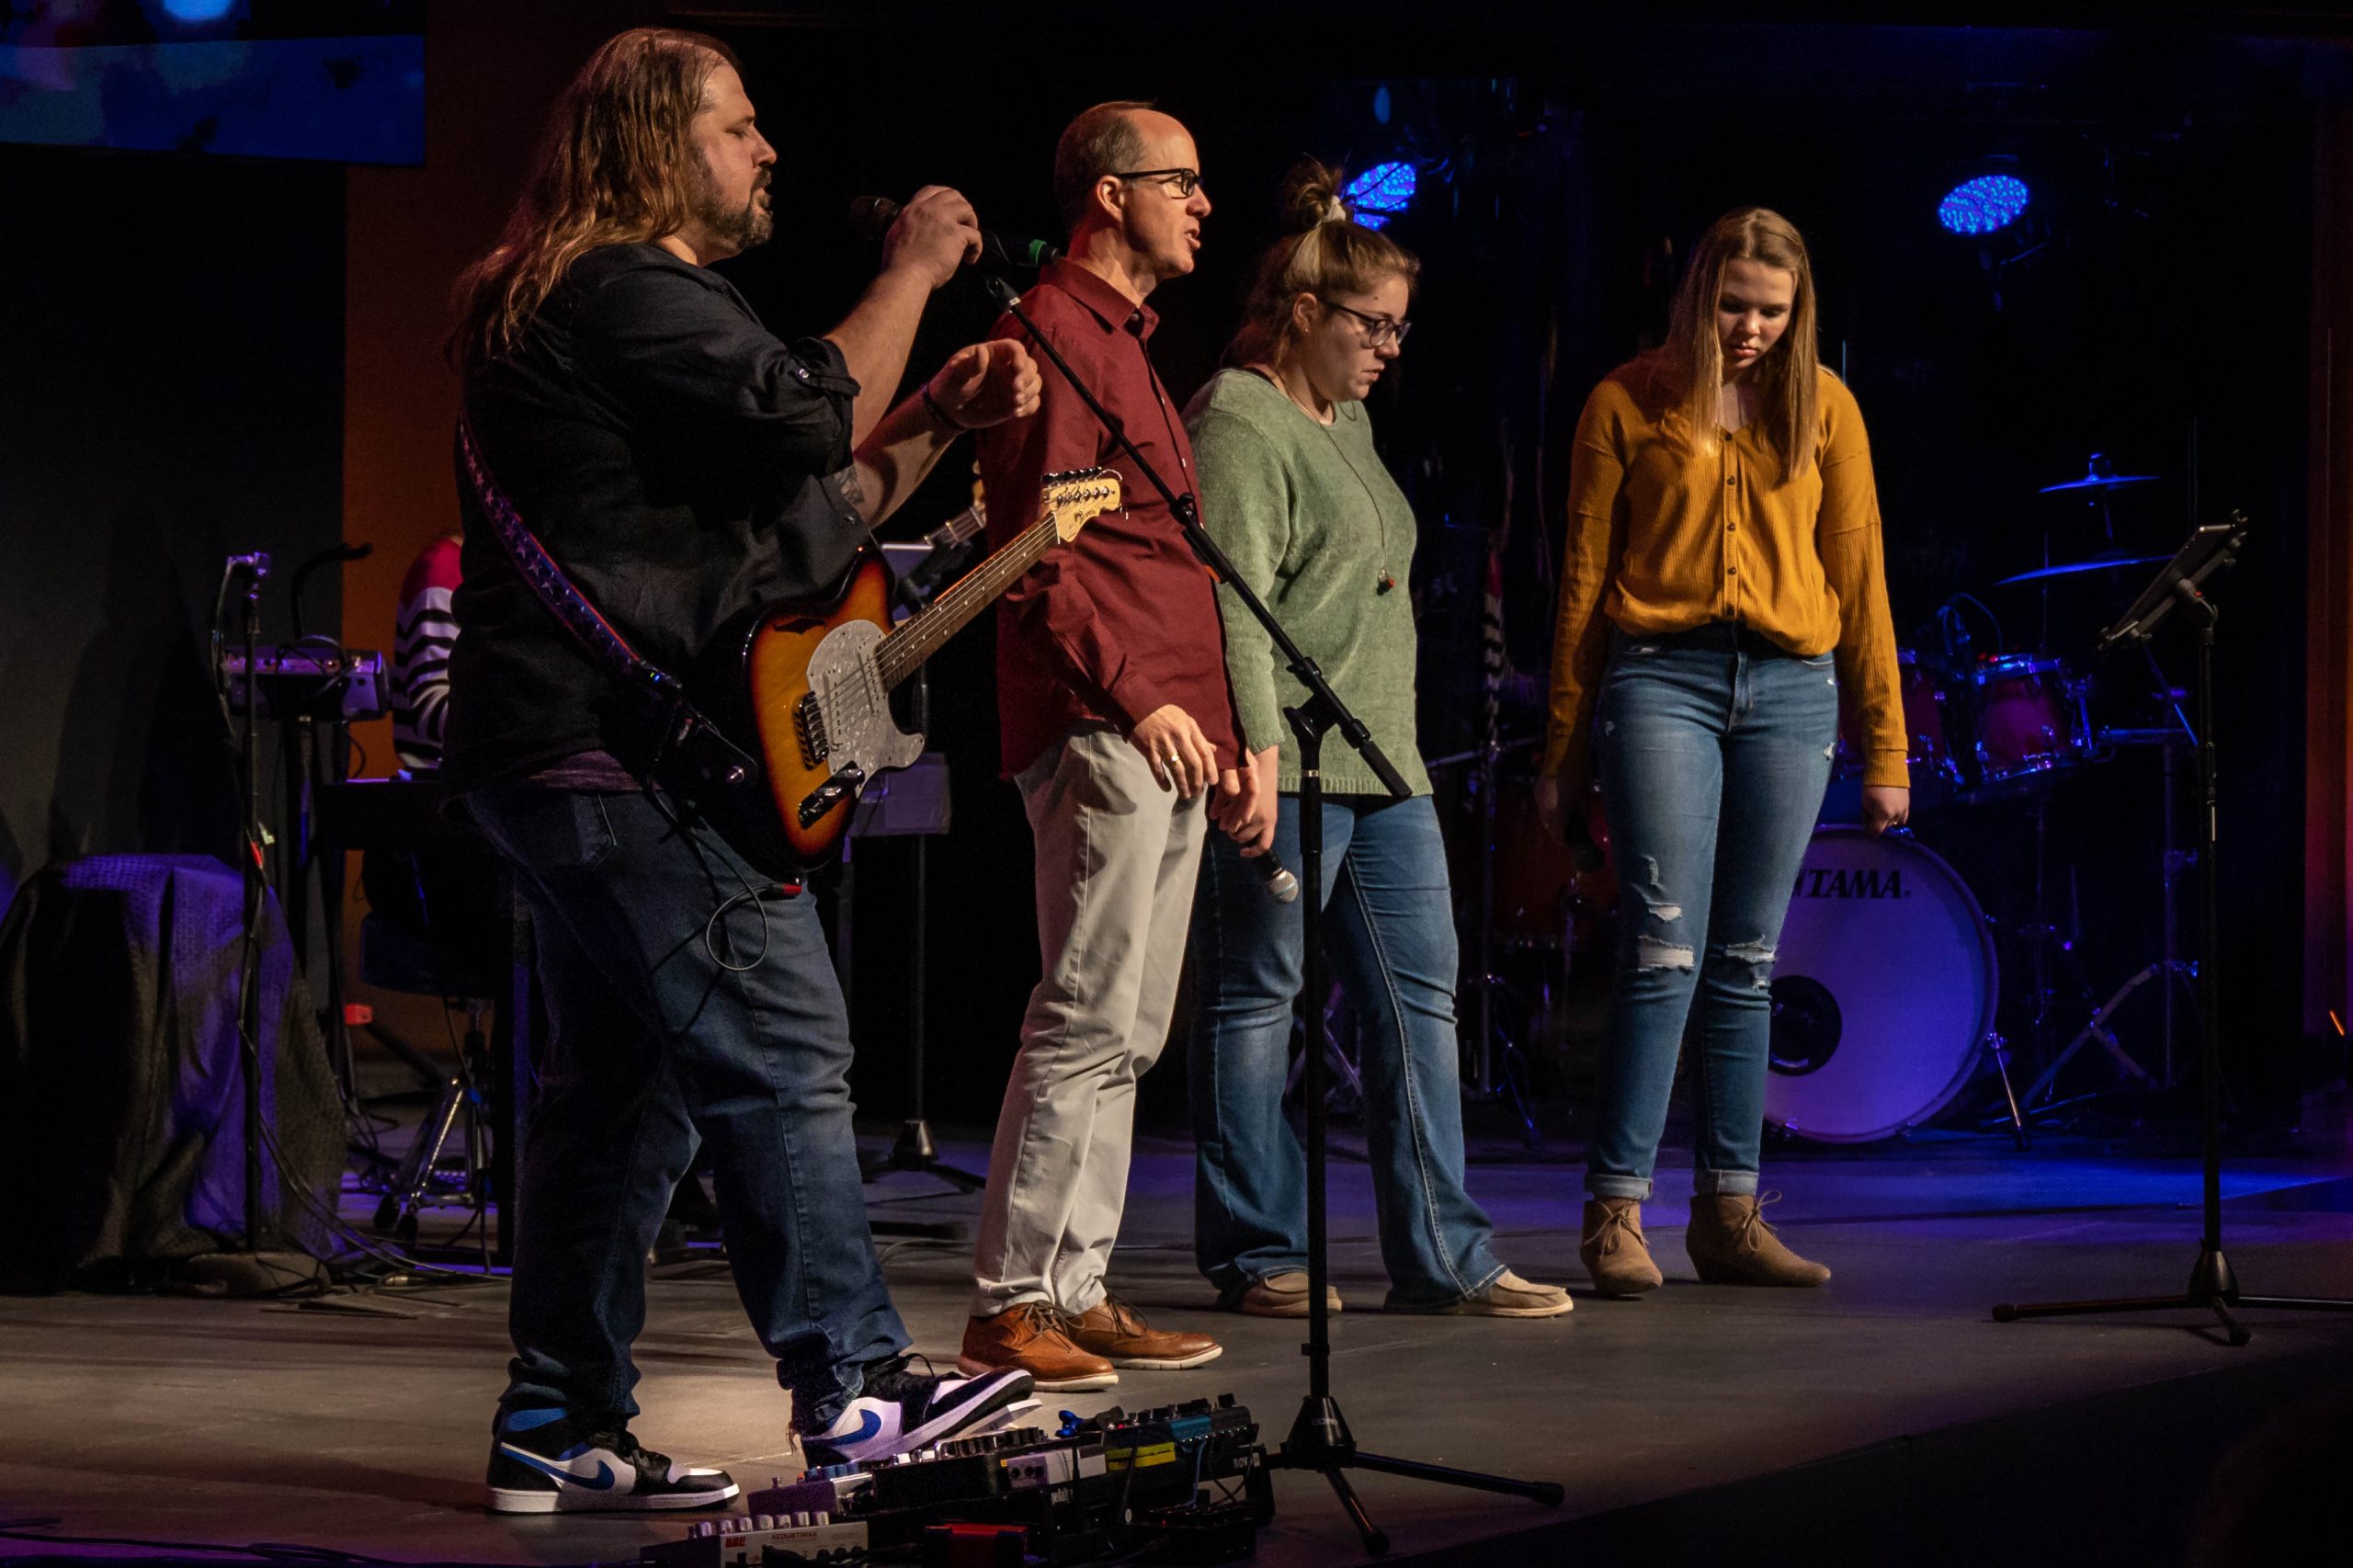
{"x":2213,"y":1286}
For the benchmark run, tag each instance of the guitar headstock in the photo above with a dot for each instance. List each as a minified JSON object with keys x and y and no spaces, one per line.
{"x":1077,"y":496}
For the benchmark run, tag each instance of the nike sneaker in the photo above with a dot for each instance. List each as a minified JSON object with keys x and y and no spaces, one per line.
{"x":543,"y":1461}
{"x":900,"y":1410}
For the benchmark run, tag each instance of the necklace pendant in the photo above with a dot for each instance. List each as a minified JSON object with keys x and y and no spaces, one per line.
{"x":1387,"y":583}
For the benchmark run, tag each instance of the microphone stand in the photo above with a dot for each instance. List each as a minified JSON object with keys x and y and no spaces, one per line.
{"x":1320,"y":1439}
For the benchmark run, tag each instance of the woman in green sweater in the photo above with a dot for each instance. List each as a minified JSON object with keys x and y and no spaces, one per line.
{"x":1291,"y":487}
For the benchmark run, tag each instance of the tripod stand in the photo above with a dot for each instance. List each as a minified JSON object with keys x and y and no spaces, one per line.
{"x":2212,"y":1287}
{"x":1320,"y":1439}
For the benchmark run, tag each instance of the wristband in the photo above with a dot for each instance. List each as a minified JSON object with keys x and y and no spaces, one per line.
{"x":940,"y":414}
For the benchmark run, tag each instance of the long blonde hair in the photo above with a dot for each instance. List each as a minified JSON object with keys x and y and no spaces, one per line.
{"x":1692,"y":357}
{"x":615,"y":167}
{"x":1324,"y":251}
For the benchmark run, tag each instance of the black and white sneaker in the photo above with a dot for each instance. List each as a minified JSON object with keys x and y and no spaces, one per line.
{"x":542,"y":1461}
{"x":900,"y":1410}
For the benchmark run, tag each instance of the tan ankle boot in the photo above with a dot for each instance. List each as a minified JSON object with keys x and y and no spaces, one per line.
{"x":1614,"y":1250}
{"x":1730,"y":1244}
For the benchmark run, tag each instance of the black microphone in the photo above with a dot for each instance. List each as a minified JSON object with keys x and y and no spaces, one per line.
{"x":870,"y":215}
{"x":1278,"y":878}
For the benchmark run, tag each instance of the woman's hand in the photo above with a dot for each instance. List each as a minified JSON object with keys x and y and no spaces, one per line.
{"x":1886,"y":806}
{"x":1556,"y":795}
{"x":1247,"y":802}
{"x":985,"y":384}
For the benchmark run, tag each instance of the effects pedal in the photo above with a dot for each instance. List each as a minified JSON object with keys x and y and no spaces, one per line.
{"x":760,"y":1540}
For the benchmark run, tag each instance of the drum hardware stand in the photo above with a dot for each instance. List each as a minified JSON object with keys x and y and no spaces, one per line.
{"x":1336,"y":1059}
{"x":2169,"y":967}
{"x":1319,"y":1439}
{"x":1486,"y":776}
{"x":1482,"y":1060}
{"x":2213,"y":1286}
{"x":466,"y":1095}
{"x":2000,"y":1047}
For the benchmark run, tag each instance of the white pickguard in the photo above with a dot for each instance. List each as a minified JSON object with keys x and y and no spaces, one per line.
{"x":860,"y":734}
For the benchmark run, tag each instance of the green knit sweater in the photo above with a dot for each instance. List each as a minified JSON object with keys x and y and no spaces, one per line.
{"x":1313,"y":521}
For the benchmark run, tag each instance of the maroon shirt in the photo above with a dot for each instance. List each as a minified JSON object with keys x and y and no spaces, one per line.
{"x":1123,"y":618}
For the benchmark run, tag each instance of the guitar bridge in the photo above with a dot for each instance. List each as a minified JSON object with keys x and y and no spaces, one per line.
{"x":809,"y":724}
{"x":831,"y":793}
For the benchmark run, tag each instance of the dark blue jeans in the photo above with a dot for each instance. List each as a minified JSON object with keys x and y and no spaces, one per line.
{"x":1714,"y":752}
{"x":653,"y":1043}
{"x":1389,"y":934}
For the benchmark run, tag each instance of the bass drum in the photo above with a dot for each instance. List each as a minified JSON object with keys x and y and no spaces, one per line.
{"x":1883,"y":990}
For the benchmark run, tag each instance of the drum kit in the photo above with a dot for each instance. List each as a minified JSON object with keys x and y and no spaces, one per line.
{"x":1889,"y":979}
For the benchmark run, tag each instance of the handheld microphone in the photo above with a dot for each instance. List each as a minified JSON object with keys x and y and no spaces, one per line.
{"x":870,"y":215}
{"x":1278,"y":878}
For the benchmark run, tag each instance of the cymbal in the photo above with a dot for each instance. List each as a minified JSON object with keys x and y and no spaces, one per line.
{"x":2096,"y":480}
{"x":2069,"y":569}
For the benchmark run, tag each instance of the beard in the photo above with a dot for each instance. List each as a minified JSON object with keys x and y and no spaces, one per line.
{"x":741,"y":227}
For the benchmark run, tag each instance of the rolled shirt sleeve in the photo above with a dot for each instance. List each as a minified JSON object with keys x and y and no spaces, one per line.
{"x":688,"y":360}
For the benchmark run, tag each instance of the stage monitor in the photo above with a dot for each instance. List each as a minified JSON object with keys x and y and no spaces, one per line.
{"x":341,"y":81}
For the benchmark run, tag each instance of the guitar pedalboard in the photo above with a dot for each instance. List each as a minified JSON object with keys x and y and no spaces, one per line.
{"x":1192,"y":1477}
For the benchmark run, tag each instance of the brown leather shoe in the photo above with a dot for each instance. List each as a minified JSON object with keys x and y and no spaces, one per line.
{"x":1614,"y":1250}
{"x":1730,"y":1244}
{"x":1029,"y":1337}
{"x":1111,"y":1328}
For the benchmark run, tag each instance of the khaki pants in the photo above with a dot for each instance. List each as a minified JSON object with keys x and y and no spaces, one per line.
{"x":1118,"y":857}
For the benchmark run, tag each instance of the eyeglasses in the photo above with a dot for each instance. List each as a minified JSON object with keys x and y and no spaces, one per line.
{"x":1183,"y":182}
{"x":1379,"y":331}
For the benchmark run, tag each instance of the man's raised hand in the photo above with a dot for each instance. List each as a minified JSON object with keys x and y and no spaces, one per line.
{"x":935,"y":233}
{"x":987,"y":384}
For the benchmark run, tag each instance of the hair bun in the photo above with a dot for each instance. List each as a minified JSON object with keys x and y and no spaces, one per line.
{"x":1310,"y":197}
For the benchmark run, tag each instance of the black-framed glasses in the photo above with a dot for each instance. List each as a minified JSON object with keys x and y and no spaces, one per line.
{"x":1184,"y":181}
{"x":1378,"y":330}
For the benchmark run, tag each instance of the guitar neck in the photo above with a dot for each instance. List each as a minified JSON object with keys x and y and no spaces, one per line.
{"x":964,"y":524}
{"x":920,"y":635}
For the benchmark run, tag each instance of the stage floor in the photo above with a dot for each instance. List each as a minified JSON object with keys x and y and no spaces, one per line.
{"x":1885,"y":1417}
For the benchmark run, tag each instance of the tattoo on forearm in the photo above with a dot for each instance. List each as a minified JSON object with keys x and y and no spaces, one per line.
{"x":853,"y":488}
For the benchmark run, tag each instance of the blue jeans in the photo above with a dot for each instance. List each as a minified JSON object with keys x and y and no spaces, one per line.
{"x":653,"y":1045}
{"x":1389,"y":934}
{"x":1714,"y":752}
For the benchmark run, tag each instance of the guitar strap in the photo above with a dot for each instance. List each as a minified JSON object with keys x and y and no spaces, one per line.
{"x":691,"y":756}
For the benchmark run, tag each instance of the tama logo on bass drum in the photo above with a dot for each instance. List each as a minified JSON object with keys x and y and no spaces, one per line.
{"x":1838,"y":881}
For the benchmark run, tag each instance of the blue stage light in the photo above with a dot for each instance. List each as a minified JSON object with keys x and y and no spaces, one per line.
{"x":198,"y":10}
{"x":1379,"y":193}
{"x":1981,"y":205}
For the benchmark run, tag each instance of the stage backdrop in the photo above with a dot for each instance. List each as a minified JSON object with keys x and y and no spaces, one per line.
{"x":171,"y":392}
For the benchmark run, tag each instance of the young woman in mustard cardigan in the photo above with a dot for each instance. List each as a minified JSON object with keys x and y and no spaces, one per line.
{"x":1722,"y":587}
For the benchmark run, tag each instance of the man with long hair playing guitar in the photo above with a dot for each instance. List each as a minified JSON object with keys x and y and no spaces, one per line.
{"x":682,"y":467}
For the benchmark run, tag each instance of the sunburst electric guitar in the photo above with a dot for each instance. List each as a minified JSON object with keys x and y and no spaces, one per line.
{"x":815,"y":679}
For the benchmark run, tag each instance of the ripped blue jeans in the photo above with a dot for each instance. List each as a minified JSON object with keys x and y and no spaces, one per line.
{"x":1713,"y":750}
